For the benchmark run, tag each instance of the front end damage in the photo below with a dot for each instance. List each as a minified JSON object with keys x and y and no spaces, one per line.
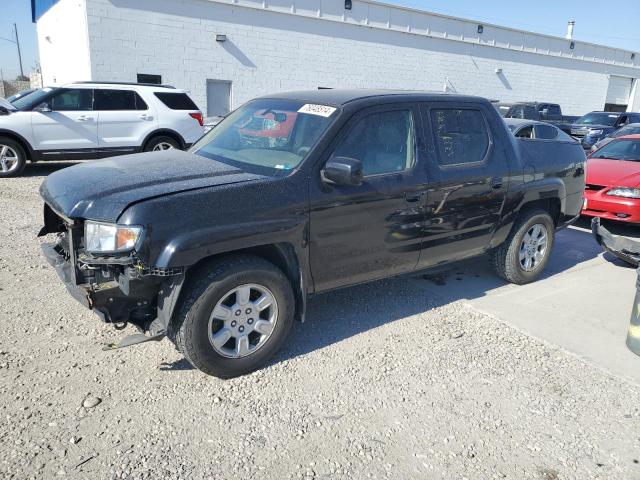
{"x":120,"y":289}
{"x":625,"y":248}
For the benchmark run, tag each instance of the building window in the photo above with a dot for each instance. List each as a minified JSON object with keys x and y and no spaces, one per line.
{"x":147,"y":78}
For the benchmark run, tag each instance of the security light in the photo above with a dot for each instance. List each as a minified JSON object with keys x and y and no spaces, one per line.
{"x":480,"y":28}
{"x":572,"y":45}
{"x":221,"y":37}
{"x":347,"y":4}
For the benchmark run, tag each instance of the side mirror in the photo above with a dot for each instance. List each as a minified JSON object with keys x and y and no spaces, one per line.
{"x":544,"y":113}
{"x":4,"y":110}
{"x":343,"y":171}
{"x":43,"y":108}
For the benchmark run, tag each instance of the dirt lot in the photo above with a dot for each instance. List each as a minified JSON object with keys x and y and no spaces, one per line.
{"x":383,"y":381}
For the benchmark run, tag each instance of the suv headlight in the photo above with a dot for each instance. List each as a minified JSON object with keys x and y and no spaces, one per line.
{"x":110,"y":238}
{"x":624,"y":192}
{"x":595,"y":131}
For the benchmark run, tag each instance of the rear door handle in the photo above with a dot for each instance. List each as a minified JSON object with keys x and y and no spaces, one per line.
{"x":83,"y":118}
{"x":144,"y":116}
{"x":496,"y":183}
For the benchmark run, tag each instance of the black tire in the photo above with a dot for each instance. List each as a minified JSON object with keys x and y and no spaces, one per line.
{"x":505,"y":258}
{"x":154,"y":142}
{"x":18,"y":166}
{"x":190,"y":326}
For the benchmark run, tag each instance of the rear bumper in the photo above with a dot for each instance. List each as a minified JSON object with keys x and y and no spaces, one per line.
{"x":625,"y":248}
{"x":64,"y":270}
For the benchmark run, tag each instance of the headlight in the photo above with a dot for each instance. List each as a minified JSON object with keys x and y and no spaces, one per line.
{"x":595,"y":131}
{"x":110,"y":238}
{"x":624,"y":192}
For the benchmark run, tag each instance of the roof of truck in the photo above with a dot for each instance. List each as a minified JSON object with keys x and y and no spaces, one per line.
{"x":337,"y":97}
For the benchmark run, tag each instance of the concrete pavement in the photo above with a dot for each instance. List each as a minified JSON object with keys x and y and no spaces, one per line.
{"x":582,"y":304}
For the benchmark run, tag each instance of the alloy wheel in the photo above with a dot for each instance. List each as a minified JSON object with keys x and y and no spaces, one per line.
{"x":243,"y":320}
{"x":533,"y":247}
{"x":9,"y":160}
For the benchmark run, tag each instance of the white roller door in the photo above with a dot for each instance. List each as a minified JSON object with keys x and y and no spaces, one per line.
{"x":619,"y":90}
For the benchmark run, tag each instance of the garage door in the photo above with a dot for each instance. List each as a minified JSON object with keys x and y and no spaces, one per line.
{"x":618,"y":92}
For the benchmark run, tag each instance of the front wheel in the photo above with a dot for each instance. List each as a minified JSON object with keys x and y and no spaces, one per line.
{"x":524,"y":254}
{"x":12,"y":158}
{"x":235,"y":315}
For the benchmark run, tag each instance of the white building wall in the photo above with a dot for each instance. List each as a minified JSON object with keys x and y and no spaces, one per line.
{"x":300,"y":44}
{"x":63,"y":43}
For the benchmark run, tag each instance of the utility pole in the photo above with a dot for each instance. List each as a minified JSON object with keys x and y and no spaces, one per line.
{"x":15,"y":27}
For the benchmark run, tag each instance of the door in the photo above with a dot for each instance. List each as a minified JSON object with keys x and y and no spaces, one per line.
{"x":124,"y":120}
{"x":360,"y":233}
{"x":468,"y":181}
{"x":618,"y":93}
{"x":218,"y":98}
{"x":70,"y":128}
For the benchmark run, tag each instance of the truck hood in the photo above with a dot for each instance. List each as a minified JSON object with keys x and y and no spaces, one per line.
{"x":102,"y":190}
{"x":613,"y":173}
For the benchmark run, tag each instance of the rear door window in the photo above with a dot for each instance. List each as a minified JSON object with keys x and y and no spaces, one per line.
{"x":176,"y":101}
{"x":461,"y":135}
{"x":73,"y":100}
{"x":530,"y":112}
{"x":525,"y":132}
{"x":554,"y":110}
{"x":118,"y":100}
{"x":546,"y":132}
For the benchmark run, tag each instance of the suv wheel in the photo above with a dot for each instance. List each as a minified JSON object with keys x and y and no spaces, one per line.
{"x":525,"y":253}
{"x":234,"y":316}
{"x":157,"y":144}
{"x":12,"y":158}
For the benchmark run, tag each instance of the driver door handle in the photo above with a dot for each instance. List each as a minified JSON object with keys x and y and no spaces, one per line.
{"x":83,"y":118}
{"x":413,"y":197}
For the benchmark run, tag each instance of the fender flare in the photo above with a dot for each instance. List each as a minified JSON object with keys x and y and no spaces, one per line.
{"x":164,"y":131}
{"x":23,"y":141}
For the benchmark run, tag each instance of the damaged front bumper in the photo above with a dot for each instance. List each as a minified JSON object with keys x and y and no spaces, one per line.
{"x":625,"y":248}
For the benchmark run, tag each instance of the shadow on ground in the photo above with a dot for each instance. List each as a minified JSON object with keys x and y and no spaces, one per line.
{"x":341,"y":314}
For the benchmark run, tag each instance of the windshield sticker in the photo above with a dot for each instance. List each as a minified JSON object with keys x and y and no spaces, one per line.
{"x":313,"y":109}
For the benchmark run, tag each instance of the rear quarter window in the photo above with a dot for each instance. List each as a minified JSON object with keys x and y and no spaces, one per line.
{"x":176,"y":101}
{"x":461,"y":135}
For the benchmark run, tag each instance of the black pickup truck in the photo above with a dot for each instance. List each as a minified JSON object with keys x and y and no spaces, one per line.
{"x":541,"y":112}
{"x":297,"y":194}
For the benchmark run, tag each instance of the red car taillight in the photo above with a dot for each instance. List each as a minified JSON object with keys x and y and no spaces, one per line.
{"x":198,"y":116}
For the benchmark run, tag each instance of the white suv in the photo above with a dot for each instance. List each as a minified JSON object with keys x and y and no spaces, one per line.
{"x":88,"y":120}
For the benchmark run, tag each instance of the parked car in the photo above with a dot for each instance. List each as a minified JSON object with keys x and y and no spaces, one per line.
{"x":220,"y":247}
{"x":593,"y":126}
{"x":536,"y":130}
{"x":613,"y":180}
{"x":88,"y":120}
{"x":20,"y":94}
{"x":542,"y":112}
{"x":631,"y":129}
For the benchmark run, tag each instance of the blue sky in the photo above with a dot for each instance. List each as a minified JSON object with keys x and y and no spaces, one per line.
{"x":617,"y":26}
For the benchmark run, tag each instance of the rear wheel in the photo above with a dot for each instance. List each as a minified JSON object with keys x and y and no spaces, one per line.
{"x":235,"y":315}
{"x":160,"y":143}
{"x":524,"y":254}
{"x":12,"y":158}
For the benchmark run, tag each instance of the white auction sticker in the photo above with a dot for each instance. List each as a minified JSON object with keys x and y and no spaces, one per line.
{"x":313,"y":109}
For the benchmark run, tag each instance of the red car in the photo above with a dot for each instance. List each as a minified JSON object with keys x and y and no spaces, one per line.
{"x":612,"y":188}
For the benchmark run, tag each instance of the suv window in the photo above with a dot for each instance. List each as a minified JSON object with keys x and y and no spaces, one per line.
{"x":546,"y":132}
{"x":461,"y":135}
{"x":176,"y":101}
{"x":525,"y":132}
{"x":79,"y":99}
{"x":383,"y":142}
{"x":530,"y":112}
{"x":554,"y":110}
{"x":118,"y":100}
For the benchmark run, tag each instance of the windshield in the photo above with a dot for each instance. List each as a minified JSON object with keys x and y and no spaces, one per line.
{"x":598,"y":118}
{"x":21,"y":94}
{"x":34,"y":98}
{"x":625,"y":149}
{"x":272,"y":133}
{"x":628,"y":130}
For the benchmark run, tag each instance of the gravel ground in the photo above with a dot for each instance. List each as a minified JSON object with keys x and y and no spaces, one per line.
{"x":381,"y":382}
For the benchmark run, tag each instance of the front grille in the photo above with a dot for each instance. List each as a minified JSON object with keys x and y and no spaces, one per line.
{"x":162,"y":272}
